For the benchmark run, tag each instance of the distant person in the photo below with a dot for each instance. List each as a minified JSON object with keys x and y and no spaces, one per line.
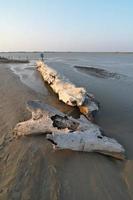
{"x":42,"y":56}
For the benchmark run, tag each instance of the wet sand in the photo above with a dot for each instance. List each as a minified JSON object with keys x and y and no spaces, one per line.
{"x":30,"y":169}
{"x":96,"y":72}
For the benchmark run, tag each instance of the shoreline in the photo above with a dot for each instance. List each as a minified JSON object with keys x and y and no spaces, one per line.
{"x":4,"y":60}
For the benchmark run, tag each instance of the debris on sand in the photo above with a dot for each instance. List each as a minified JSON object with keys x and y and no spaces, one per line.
{"x":68,"y":92}
{"x":66,"y":132}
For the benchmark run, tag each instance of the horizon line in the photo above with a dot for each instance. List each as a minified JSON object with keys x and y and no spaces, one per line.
{"x":66,"y":51}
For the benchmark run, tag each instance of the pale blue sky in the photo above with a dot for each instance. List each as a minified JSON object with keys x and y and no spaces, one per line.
{"x":66,"y":25}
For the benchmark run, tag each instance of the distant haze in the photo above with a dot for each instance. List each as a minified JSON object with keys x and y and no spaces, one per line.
{"x":66,"y":25}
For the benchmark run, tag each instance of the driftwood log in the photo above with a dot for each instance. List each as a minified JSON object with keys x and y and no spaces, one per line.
{"x":68,"y":92}
{"x":66,"y":132}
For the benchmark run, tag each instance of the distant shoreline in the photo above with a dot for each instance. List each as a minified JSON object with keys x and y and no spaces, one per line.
{"x":117,"y":52}
{"x":17,"y":61}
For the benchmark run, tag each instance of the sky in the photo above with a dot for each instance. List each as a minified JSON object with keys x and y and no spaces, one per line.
{"x":66,"y":25}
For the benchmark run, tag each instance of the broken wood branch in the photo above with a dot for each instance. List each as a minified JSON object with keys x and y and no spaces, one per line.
{"x":68,"y":92}
{"x":66,"y":132}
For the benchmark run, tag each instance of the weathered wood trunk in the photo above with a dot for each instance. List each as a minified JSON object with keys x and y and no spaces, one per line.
{"x":66,"y":132}
{"x":68,"y":92}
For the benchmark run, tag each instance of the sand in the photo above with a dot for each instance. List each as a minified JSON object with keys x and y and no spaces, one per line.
{"x":96,"y":72}
{"x":30,"y":169}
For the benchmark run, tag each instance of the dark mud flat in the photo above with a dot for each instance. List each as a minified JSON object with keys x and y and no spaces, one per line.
{"x":97,"y":72}
{"x":31,"y":170}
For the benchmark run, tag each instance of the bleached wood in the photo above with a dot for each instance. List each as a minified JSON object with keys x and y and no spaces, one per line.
{"x":66,"y":132}
{"x":68,"y":92}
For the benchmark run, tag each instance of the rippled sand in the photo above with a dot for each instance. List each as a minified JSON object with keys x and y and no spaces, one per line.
{"x":30,"y":169}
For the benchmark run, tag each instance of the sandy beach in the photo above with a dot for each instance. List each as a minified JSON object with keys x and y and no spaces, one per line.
{"x":29,"y":167}
{"x":66,"y":125}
